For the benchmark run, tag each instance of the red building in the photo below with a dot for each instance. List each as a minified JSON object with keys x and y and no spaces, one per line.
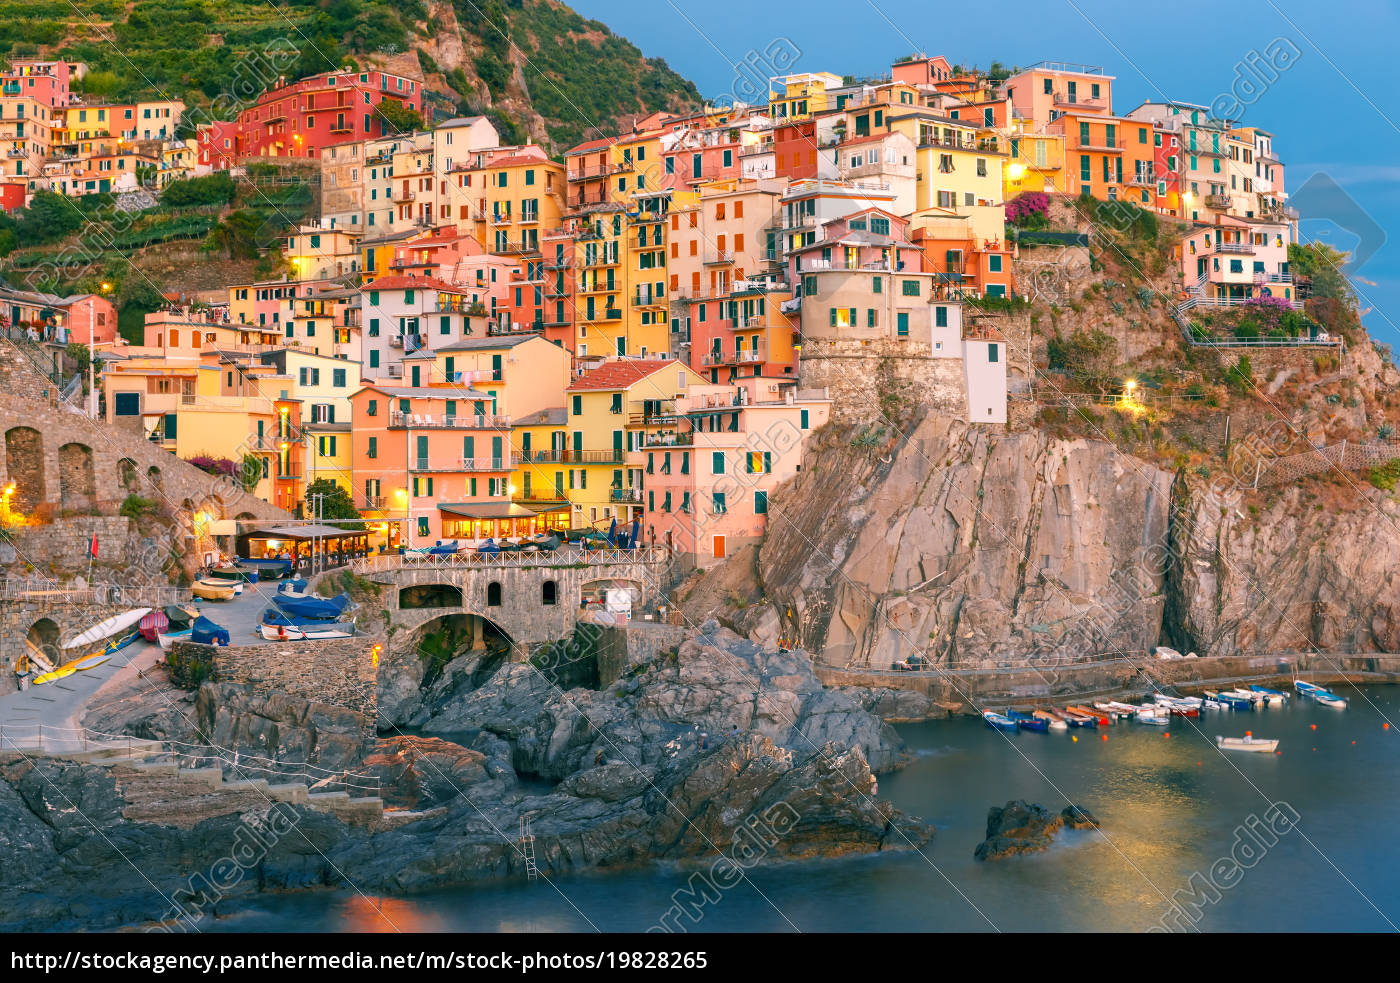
{"x":11,"y":195}
{"x":301,"y":119}
{"x":795,"y":149}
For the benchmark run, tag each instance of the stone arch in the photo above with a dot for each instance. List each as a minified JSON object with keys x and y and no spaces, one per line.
{"x":549,"y":593}
{"x":127,"y":474}
{"x":24,"y":463}
{"x":493,"y":594}
{"x":77,"y":483}
{"x":430,"y":596}
{"x":153,"y":476}
{"x":43,"y":637}
{"x":442,"y":639}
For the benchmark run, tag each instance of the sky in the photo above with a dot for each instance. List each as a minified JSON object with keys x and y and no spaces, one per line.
{"x":1320,"y":76}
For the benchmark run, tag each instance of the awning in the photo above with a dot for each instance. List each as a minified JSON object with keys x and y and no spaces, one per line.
{"x":304,"y":532}
{"x":487,"y":510}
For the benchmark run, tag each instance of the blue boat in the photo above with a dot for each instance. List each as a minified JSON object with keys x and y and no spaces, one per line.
{"x":998,"y":721}
{"x":1268,"y":692}
{"x":274,"y":617}
{"x":1026,"y":722}
{"x":1231,"y":701}
{"x":206,"y":632}
{"x":312,"y":607}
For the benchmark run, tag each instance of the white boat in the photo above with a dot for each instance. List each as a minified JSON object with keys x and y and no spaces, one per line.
{"x":104,"y":630}
{"x":1246,"y":743}
{"x":1329,"y":699}
{"x":1054,"y":722}
{"x":280,"y":633}
{"x":1307,"y":689}
{"x":1153,"y":715}
{"x":1177,"y":701}
{"x":167,"y":640}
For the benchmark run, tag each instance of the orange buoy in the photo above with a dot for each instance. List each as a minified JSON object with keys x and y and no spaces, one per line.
{"x":1198,"y":764}
{"x":1314,"y":726}
{"x":1074,"y":738}
{"x":1103,"y":737}
{"x":1385,"y":726}
{"x":1166,"y":734}
{"x":1278,"y":752}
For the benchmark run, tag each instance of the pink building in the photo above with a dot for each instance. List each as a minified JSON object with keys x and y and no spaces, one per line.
{"x":707,"y":484}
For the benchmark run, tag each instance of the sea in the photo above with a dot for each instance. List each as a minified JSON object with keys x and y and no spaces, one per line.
{"x":1191,"y":839}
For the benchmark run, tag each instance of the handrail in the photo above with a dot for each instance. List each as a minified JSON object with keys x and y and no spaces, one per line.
{"x":566,"y":556}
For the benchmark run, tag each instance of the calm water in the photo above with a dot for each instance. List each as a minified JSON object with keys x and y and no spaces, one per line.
{"x":1169,"y":807}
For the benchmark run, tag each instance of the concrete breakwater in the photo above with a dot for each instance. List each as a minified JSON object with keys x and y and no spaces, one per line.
{"x":963,"y":690}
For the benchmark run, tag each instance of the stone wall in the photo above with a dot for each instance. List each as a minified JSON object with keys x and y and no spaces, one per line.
{"x":340,"y":672}
{"x":61,"y":459}
{"x":19,"y":618}
{"x":63,"y":545}
{"x":620,"y":648}
{"x":869,"y":381}
{"x":19,"y":376}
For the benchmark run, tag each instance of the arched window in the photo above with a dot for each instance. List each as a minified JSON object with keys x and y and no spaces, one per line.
{"x":549,"y":592}
{"x":493,"y":594}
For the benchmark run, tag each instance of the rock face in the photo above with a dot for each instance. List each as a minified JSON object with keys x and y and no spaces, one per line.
{"x":721,"y":745}
{"x":970,"y":547}
{"x":1020,"y":827}
{"x":1295,"y":576}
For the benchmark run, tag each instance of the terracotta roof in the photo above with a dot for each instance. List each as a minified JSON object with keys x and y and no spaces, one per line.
{"x":867,"y":139}
{"x":411,"y":283}
{"x":583,"y":148}
{"x":514,"y":160}
{"x":620,"y":374}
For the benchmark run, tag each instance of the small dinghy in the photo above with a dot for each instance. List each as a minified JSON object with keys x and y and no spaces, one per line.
{"x":293,"y":588}
{"x":1154,"y":715}
{"x":1076,"y":719}
{"x":1230,"y":700}
{"x":167,"y":639}
{"x":1052,"y":721}
{"x":1329,"y":699}
{"x":1246,"y":743}
{"x":1273,"y":696}
{"x":215,"y":590}
{"x":999,"y":721}
{"x":314,"y":630}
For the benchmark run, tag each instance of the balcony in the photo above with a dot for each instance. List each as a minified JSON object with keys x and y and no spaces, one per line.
{"x":565,"y":455}
{"x":1220,"y":202}
{"x":720,"y":257}
{"x":474,"y":421}
{"x":396,"y":341}
{"x":746,"y":357}
{"x":1243,"y":248}
{"x":612,"y":314}
{"x":340,"y":126}
{"x":1064,"y":98}
{"x":667,"y":440}
{"x":372,"y":503}
{"x":403,"y":196}
{"x":559,"y":263}
{"x":645,"y":298}
{"x":450,"y":464}
{"x":631,"y":496}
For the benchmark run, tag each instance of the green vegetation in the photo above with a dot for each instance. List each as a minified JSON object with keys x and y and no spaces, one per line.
{"x":188,"y":670}
{"x":1385,"y":476}
{"x":336,"y":505}
{"x":136,"y":507}
{"x":212,"y":189}
{"x":1088,"y":357}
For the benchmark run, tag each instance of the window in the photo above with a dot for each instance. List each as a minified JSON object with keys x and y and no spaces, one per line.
{"x":717,"y":462}
{"x":127,"y":404}
{"x":373,"y":450}
{"x":549,"y":593}
{"x":993,"y":353}
{"x":994,"y":264}
{"x":910,"y":288}
{"x":423,"y":526}
{"x":902,"y":324}
{"x":578,"y":406}
{"x":760,"y":503}
{"x":338,"y":378}
{"x":719,"y":505}
{"x":493,"y":594}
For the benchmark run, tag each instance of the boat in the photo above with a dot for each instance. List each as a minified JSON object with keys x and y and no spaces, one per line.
{"x":998,"y":721}
{"x":1052,"y":721}
{"x":266,"y":567}
{"x":57,"y":674}
{"x":106,"y":629}
{"x":1213,"y":704}
{"x":206,"y":632}
{"x":1329,"y":699}
{"x":167,"y":639}
{"x":293,"y":588}
{"x":326,"y":609}
{"x":1179,"y":706}
{"x":1274,"y":696}
{"x":288,"y":633}
{"x":153,"y":624}
{"x":227,"y":572}
{"x":1076,"y":719}
{"x":1230,"y":700}
{"x":213,"y":590}
{"x":1152,"y":714}
{"x":1307,"y":689}
{"x":1246,"y":743}
{"x":1027,"y":721}
{"x":1090,"y":712}
{"x":1254,"y":698}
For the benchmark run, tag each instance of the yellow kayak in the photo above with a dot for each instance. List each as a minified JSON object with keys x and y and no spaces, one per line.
{"x":58,"y":673}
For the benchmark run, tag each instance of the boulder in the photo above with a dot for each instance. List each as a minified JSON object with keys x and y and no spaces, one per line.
{"x":1021,"y":827}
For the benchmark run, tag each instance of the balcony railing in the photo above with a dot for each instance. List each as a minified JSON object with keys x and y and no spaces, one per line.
{"x":631,"y":495}
{"x":373,"y":503}
{"x":1218,"y":201}
{"x":1244,"y":248}
{"x":565,"y":455}
{"x":404,"y":195}
{"x":719,"y":257}
{"x":459,"y":464}
{"x":475,"y":421}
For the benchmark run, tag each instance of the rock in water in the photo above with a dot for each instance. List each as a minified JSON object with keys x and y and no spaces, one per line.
{"x":1022,"y":827}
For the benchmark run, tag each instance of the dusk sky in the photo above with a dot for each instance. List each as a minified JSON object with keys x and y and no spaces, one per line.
{"x":1333,"y":108}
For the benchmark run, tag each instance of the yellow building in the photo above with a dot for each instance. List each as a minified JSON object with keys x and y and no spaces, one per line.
{"x":956,"y":171}
{"x":802,"y":94}
{"x":505,"y":200}
{"x":328,"y":452}
{"x":613,"y":411}
{"x":1036,"y":161}
{"x":539,"y":440}
{"x":316,"y":253}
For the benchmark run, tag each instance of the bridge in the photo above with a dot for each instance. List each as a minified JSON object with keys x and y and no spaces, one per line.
{"x":531,"y":598}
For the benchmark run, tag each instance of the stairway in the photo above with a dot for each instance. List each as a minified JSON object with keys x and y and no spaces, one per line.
{"x":527,"y":849}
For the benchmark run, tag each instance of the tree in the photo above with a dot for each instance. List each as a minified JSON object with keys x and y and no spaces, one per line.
{"x":250,"y":471}
{"x":397,"y":117}
{"x":1324,"y":265}
{"x":337,"y":504}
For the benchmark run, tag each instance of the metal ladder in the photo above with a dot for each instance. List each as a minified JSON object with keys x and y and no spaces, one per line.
{"x":527,"y":848}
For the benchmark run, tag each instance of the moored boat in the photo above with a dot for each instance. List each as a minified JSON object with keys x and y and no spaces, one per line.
{"x":1230,"y":700}
{"x":1329,"y":699}
{"x":1076,"y":719}
{"x":215,"y":591}
{"x":343,"y":629}
{"x":1152,"y":714}
{"x":1273,"y":696}
{"x":1246,"y":743}
{"x":167,"y":639}
{"x":1052,"y":721}
{"x":999,"y":721}
{"x":1307,"y":689}
{"x":1027,"y":721}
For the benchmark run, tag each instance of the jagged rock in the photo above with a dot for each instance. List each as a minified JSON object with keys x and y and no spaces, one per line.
{"x":424,"y":771}
{"x":1021,"y":827}
{"x":896,"y":705}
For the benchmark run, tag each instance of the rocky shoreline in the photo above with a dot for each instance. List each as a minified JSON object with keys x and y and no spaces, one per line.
{"x":678,"y":760}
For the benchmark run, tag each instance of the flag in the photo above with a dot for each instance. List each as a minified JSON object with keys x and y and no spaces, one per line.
{"x":92,"y":547}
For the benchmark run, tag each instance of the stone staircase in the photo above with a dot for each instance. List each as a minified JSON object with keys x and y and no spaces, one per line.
{"x":160,"y":789}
